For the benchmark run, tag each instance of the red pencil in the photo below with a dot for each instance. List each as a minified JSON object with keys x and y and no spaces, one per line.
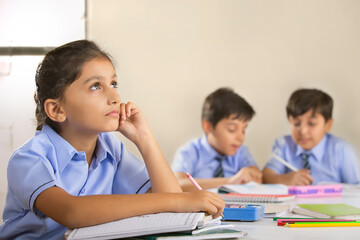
{"x":282,"y":222}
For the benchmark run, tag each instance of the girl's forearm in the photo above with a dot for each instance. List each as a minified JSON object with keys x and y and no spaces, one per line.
{"x":118,"y":207}
{"x":74,"y":211}
{"x":161,"y":176}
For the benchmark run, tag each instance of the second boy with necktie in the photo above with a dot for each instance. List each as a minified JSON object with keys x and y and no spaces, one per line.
{"x":219,"y":157}
{"x":320,"y":156}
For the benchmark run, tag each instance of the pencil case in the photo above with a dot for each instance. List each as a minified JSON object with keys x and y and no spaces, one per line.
{"x":316,"y":190}
{"x":243,"y":212}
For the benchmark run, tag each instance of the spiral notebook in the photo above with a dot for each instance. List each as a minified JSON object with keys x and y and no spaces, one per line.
{"x":256,"y":198}
{"x":255,"y":188}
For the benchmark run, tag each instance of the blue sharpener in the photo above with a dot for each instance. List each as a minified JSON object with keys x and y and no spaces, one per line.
{"x":243,"y":212}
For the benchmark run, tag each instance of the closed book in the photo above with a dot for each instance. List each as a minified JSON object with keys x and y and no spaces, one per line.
{"x":276,"y":210}
{"x":337,"y":211}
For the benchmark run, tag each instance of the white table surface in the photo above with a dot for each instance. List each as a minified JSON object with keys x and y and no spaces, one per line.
{"x":266,"y":228}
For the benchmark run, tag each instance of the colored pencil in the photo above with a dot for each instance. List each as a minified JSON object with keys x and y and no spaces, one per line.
{"x":288,"y":218}
{"x":283,"y":161}
{"x":193,"y":181}
{"x":333,"y":222}
{"x":282,"y":222}
{"x":343,"y":224}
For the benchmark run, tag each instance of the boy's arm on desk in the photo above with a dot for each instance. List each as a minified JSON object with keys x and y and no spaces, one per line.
{"x":244,"y":175}
{"x":300,"y":177}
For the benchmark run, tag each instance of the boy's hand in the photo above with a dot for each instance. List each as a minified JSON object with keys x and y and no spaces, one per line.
{"x":256,"y":174}
{"x":301,"y":177}
{"x":200,"y":200}
{"x":241,"y":177}
{"x":132,"y":123}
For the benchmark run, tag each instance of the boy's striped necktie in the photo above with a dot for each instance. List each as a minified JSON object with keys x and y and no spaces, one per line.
{"x":219,"y":172}
{"x":305,"y":157}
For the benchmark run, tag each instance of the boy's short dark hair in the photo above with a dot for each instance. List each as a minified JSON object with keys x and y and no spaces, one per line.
{"x":303,"y":100}
{"x":223,"y":103}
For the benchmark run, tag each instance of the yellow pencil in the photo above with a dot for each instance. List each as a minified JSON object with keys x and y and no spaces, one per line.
{"x":344,"y":224}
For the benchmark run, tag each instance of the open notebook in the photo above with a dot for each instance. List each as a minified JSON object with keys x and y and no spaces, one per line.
{"x":142,"y":225}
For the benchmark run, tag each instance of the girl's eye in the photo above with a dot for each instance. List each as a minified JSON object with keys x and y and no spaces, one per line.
{"x":114,"y":84}
{"x":231,"y":130}
{"x":96,"y":86}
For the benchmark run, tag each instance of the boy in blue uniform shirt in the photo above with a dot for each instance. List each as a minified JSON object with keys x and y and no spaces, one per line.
{"x":219,"y":157}
{"x":320,"y":156}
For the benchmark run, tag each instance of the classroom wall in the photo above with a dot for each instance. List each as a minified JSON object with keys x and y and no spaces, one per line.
{"x":44,"y":25}
{"x":171,"y":54}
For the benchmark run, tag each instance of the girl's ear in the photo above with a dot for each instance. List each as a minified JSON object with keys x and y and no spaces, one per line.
{"x":54,"y":110}
{"x":206,"y":126}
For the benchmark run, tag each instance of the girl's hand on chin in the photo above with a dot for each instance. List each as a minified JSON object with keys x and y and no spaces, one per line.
{"x":132,"y":123}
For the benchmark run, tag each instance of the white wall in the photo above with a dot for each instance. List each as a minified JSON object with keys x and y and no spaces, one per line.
{"x":170,"y":54}
{"x":28,"y":23}
{"x":17,"y":123}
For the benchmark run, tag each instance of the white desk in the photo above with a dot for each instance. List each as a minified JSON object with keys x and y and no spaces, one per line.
{"x":268,"y":229}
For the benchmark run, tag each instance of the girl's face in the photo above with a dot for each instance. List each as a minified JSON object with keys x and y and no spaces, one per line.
{"x":92,"y":103}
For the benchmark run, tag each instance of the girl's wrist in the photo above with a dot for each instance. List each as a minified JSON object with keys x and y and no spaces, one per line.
{"x":145,"y":141}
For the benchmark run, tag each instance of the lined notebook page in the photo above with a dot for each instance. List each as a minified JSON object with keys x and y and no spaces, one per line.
{"x":140,"y":225}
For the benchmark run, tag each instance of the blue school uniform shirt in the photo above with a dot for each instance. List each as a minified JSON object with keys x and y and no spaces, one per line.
{"x":48,"y":160}
{"x":198,"y":158}
{"x":331,"y":160}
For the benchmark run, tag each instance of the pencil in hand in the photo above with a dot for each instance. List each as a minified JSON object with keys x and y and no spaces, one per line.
{"x":196,"y":184}
{"x":193,"y":181}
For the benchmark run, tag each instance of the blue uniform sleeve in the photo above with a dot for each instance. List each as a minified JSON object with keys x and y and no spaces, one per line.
{"x":246,"y":157}
{"x":28,"y":175}
{"x":131,"y":176}
{"x":278,"y":149}
{"x":349,"y":166}
{"x":184,"y":160}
